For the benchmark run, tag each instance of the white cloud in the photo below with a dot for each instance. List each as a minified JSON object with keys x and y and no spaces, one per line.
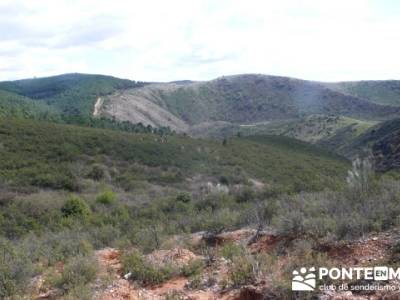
{"x":177,"y":39}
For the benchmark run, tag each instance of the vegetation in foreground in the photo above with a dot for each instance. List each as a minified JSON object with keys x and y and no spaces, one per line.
{"x":59,"y":227}
{"x":67,"y":191}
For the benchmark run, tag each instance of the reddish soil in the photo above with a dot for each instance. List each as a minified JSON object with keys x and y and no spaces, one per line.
{"x":370,"y":250}
{"x":375,"y":248}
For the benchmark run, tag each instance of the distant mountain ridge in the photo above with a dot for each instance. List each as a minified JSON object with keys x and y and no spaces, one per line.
{"x":238,"y":99}
{"x":245,"y":99}
{"x":334,"y":115}
{"x":68,"y":93}
{"x":378,"y":91}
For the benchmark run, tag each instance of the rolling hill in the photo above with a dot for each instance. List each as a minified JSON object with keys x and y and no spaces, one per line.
{"x":379,"y":91}
{"x":85,"y":165}
{"x":73,"y":94}
{"x":14,"y":105}
{"x":382,"y":141}
{"x":329,"y":114}
{"x":186,"y":105}
{"x":241,"y":99}
{"x":55,"y":156}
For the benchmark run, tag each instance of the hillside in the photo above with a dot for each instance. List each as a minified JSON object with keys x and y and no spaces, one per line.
{"x":69,"y":93}
{"x":14,"y":105}
{"x":382,"y":141}
{"x":214,"y":108}
{"x":315,"y":129}
{"x":95,"y":213}
{"x":242,"y":99}
{"x":386,"y":150}
{"x":328,"y":114}
{"x":98,"y":214}
{"x":385,"y":92}
{"x":46,"y":155}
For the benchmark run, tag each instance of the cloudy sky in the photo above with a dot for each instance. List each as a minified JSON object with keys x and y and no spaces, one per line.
{"x":199,"y":40}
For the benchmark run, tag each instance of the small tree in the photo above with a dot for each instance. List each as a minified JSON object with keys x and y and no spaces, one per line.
{"x":75,"y":206}
{"x":106,"y":198}
{"x":183,"y":197}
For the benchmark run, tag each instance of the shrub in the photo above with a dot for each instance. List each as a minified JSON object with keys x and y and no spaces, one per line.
{"x":144,"y":272}
{"x":149,"y":238}
{"x":193,"y":268}
{"x":220,"y":219}
{"x":224,"y":180}
{"x":79,"y":271}
{"x":81,"y":292}
{"x":60,"y":246}
{"x":231,"y":250}
{"x":75,"y":206}
{"x":248,"y":269}
{"x":245,"y":195}
{"x":195,"y":283}
{"x":241,"y":271}
{"x":183,"y":197}
{"x":15,"y":270}
{"x":292,"y":223}
{"x":97,"y":172}
{"x":106,"y":198}
{"x":55,"y":181}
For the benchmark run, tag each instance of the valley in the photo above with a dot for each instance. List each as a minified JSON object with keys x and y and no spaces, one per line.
{"x":119,"y":189}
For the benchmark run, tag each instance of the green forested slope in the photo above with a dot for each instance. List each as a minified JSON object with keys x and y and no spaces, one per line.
{"x":59,"y":156}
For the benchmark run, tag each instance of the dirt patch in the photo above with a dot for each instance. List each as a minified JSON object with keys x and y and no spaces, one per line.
{"x":178,"y":257}
{"x":374,"y":249}
{"x":241,"y":235}
{"x":371,"y":249}
{"x":176,"y":284}
{"x":266,"y":243}
{"x":97,"y":106}
{"x":119,"y":290}
{"x":109,"y":258}
{"x":141,"y":105}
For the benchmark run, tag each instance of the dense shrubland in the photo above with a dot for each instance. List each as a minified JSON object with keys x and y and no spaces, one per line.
{"x":55,"y":156}
{"x":54,"y":227}
{"x":66,"y":191}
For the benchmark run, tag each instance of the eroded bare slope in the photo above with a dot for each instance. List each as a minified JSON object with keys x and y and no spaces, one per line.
{"x":241,"y":99}
{"x":135,"y":106}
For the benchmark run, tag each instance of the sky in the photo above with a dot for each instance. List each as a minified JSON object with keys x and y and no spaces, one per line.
{"x":201,"y":39}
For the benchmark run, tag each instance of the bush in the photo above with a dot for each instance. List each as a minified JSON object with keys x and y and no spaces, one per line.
{"x":144,"y":272}
{"x":97,"y":172}
{"x":81,"y":292}
{"x":246,"y":194}
{"x":224,"y":180}
{"x":183,"y":197}
{"x":60,"y":246}
{"x":231,"y":250}
{"x":193,"y":268}
{"x":291,"y":223}
{"x":241,"y":271}
{"x":75,"y":206}
{"x":248,"y":269}
{"x":106,"y":198}
{"x":79,"y":271}
{"x":16,"y":269}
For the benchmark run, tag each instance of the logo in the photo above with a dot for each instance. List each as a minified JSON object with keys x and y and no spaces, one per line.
{"x":304,"y":280}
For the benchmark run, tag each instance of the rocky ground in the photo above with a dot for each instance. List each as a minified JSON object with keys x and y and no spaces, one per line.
{"x":372,"y":250}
